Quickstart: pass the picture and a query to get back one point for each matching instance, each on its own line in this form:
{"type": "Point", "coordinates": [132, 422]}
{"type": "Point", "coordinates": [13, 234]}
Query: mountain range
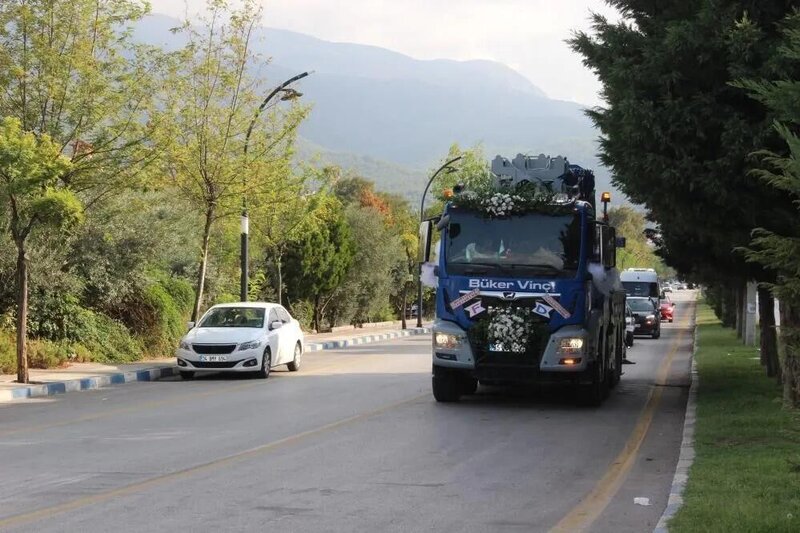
{"type": "Point", "coordinates": [392, 118]}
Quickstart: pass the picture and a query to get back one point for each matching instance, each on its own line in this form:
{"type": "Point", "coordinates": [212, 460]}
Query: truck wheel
{"type": "Point", "coordinates": [447, 387]}
{"type": "Point", "coordinates": [619, 355]}
{"type": "Point", "coordinates": [469, 386]}
{"type": "Point", "coordinates": [597, 390]}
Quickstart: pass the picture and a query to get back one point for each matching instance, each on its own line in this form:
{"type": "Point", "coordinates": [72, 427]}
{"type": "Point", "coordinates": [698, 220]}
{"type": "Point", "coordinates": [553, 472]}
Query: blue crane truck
{"type": "Point", "coordinates": [526, 285]}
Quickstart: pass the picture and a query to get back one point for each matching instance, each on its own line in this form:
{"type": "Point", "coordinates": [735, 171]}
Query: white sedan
{"type": "Point", "coordinates": [241, 337]}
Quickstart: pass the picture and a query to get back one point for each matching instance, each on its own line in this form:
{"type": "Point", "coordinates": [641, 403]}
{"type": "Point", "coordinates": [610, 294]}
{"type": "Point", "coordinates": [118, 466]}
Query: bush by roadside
{"type": "Point", "coordinates": [746, 474]}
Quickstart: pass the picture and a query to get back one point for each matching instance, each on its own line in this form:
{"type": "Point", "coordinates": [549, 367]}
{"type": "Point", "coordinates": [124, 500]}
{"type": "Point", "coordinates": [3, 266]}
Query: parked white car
{"type": "Point", "coordinates": [241, 337]}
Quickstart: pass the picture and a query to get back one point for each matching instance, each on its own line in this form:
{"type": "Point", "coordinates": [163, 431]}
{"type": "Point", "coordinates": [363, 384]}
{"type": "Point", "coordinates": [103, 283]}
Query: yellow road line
{"type": "Point", "coordinates": [127, 490]}
{"type": "Point", "coordinates": [587, 511]}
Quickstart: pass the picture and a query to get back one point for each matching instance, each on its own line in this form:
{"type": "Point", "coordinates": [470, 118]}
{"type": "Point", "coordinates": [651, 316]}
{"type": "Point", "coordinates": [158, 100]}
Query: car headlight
{"type": "Point", "coordinates": [249, 345]}
{"type": "Point", "coordinates": [650, 317]}
{"type": "Point", "coordinates": [185, 346]}
{"type": "Point", "coordinates": [446, 340]}
{"type": "Point", "coordinates": [570, 346]}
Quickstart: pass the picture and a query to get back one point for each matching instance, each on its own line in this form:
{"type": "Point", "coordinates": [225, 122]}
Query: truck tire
{"type": "Point", "coordinates": [619, 355]}
{"type": "Point", "coordinates": [595, 392]}
{"type": "Point", "coordinates": [469, 385]}
{"type": "Point", "coordinates": [447, 387]}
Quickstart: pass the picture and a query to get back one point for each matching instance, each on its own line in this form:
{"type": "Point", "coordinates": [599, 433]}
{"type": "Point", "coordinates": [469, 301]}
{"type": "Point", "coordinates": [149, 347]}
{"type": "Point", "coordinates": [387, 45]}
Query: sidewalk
{"type": "Point", "coordinates": [89, 376]}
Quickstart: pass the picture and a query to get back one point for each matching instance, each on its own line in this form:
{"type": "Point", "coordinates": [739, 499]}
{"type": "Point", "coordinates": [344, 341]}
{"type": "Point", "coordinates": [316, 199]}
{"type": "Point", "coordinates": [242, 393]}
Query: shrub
{"type": "Point", "coordinates": [8, 352]}
{"type": "Point", "coordinates": [47, 354]}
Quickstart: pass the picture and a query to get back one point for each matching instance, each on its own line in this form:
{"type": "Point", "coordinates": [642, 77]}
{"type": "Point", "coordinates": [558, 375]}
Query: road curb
{"type": "Point", "coordinates": [686, 457]}
{"type": "Point", "coordinates": [366, 339]}
{"type": "Point", "coordinates": [156, 373]}
{"type": "Point", "coordinates": [90, 383]}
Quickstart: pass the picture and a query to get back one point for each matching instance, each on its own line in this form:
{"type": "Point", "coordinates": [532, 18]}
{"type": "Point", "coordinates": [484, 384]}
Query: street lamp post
{"type": "Point", "coordinates": [290, 95]}
{"type": "Point", "coordinates": [421, 219]}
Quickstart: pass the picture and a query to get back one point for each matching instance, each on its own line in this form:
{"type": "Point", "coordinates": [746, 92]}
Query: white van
{"type": "Point", "coordinates": [641, 282]}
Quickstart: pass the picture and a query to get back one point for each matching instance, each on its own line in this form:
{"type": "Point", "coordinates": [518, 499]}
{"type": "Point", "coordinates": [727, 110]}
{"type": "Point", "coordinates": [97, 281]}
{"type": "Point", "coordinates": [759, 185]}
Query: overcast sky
{"type": "Point", "coordinates": [527, 35]}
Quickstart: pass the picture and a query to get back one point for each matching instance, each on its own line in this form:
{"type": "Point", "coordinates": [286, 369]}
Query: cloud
{"type": "Point", "coordinates": [527, 35]}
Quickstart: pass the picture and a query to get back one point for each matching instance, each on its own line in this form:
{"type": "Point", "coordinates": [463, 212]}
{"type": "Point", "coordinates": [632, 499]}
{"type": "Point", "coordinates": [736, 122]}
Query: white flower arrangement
{"type": "Point", "coordinates": [509, 329]}
{"type": "Point", "coordinates": [501, 204]}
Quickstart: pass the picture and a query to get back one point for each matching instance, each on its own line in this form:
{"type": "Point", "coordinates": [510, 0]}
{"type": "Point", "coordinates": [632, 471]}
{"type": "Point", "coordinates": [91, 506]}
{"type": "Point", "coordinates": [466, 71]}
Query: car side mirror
{"type": "Point", "coordinates": [190, 325]}
{"type": "Point", "coordinates": [277, 324]}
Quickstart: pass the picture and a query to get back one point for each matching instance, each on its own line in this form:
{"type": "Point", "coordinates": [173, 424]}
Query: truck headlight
{"type": "Point", "coordinates": [446, 340]}
{"type": "Point", "coordinates": [249, 345]}
{"type": "Point", "coordinates": [570, 346]}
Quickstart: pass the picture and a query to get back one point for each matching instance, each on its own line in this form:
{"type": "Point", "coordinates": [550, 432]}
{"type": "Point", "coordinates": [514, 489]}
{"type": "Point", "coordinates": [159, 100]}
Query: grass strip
{"type": "Point", "coordinates": [746, 473]}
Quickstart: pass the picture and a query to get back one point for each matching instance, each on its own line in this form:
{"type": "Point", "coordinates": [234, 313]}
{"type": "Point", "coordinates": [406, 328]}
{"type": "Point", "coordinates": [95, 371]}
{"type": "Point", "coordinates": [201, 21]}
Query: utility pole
{"type": "Point", "coordinates": [291, 94]}
{"type": "Point", "coordinates": [421, 220]}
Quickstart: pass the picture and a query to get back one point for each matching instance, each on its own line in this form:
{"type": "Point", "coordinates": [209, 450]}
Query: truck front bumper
{"type": "Point", "coordinates": [554, 363]}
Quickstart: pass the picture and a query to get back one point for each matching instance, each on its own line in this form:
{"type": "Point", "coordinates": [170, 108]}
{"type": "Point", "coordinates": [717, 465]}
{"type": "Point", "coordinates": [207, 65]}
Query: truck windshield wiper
{"type": "Point", "coordinates": [548, 268]}
{"type": "Point", "coordinates": [501, 267]}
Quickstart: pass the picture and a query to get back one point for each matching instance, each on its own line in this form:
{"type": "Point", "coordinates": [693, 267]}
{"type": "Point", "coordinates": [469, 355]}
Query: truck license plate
{"type": "Point", "coordinates": [213, 358]}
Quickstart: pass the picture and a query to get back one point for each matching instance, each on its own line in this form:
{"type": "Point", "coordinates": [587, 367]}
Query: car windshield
{"type": "Point", "coordinates": [641, 306]}
{"type": "Point", "coordinates": [531, 242]}
{"type": "Point", "coordinates": [641, 288]}
{"type": "Point", "coordinates": [234, 317]}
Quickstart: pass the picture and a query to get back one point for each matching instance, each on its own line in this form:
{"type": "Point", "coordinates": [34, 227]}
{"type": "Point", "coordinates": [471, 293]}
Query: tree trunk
{"type": "Point", "coordinates": [280, 279]}
{"type": "Point", "coordinates": [729, 307]}
{"type": "Point", "coordinates": [403, 308]}
{"type": "Point", "coordinates": [316, 312]}
{"type": "Point", "coordinates": [740, 303]}
{"type": "Point", "coordinates": [769, 338]}
{"type": "Point", "coordinates": [22, 313]}
{"type": "Point", "coordinates": [790, 334]}
{"type": "Point", "coordinates": [201, 275]}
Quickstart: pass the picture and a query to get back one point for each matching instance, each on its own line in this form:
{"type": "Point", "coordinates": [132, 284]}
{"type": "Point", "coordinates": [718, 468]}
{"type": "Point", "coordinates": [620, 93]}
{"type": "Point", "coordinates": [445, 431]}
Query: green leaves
{"type": "Point", "coordinates": [30, 168]}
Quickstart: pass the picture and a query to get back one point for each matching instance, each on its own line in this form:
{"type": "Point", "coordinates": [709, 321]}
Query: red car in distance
{"type": "Point", "coordinates": [667, 308]}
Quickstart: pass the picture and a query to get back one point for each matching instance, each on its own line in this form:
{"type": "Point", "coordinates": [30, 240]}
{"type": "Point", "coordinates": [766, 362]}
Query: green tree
{"type": "Point", "coordinates": [779, 250]}
{"type": "Point", "coordinates": [320, 258]}
{"type": "Point", "coordinates": [30, 169]}
{"type": "Point", "coordinates": [210, 104]}
{"type": "Point", "coordinates": [677, 133]}
{"type": "Point", "coordinates": [69, 68]}
{"type": "Point", "coordinates": [639, 251]}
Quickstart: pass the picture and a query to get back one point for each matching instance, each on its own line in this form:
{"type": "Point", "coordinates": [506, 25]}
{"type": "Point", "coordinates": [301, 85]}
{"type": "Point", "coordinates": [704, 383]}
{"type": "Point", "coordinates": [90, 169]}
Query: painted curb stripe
{"type": "Point", "coordinates": [686, 457]}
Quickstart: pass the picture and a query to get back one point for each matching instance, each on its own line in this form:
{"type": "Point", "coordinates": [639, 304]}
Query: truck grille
{"type": "Point", "coordinates": [213, 349]}
{"type": "Point", "coordinates": [537, 342]}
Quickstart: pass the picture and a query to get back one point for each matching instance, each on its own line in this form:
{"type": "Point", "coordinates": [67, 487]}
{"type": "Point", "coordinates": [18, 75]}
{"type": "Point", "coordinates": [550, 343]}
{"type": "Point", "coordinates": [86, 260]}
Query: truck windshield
{"type": "Point", "coordinates": [532, 243]}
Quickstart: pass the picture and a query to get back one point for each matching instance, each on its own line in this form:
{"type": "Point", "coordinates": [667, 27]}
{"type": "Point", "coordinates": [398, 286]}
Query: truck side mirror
{"type": "Point", "coordinates": [425, 231]}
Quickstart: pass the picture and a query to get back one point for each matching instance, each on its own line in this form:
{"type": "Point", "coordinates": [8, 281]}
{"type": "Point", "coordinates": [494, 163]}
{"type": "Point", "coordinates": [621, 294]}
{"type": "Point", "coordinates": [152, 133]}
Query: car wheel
{"type": "Point", "coordinates": [186, 375]}
{"type": "Point", "coordinates": [266, 365]}
{"type": "Point", "coordinates": [294, 366]}
{"type": "Point", "coordinates": [670, 321]}
{"type": "Point", "coordinates": [657, 333]}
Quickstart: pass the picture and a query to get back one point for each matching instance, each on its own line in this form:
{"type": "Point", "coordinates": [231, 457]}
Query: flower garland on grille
{"type": "Point", "coordinates": [509, 328]}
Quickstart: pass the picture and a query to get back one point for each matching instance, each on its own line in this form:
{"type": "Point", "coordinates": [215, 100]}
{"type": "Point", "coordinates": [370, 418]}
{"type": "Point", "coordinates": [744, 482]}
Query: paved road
{"type": "Point", "coordinates": [353, 442]}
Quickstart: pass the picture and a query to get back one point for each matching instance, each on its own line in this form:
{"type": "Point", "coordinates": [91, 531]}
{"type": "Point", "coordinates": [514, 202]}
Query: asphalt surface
{"type": "Point", "coordinates": [352, 442]}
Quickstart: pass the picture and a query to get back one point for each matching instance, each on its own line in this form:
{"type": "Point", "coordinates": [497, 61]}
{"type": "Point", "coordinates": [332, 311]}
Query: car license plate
{"type": "Point", "coordinates": [213, 358]}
